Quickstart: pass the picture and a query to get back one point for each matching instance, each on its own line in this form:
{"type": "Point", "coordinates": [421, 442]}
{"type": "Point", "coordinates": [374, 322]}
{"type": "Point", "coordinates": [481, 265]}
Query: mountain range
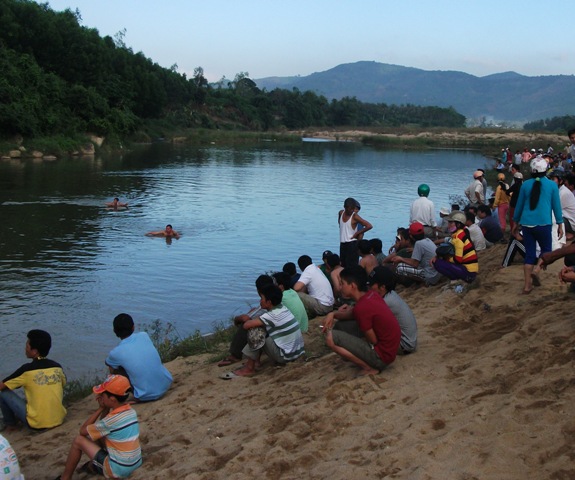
{"type": "Point", "coordinates": [501, 97]}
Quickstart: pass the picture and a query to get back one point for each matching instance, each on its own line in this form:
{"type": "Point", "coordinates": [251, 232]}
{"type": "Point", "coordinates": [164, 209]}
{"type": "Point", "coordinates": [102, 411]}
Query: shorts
{"type": "Point", "coordinates": [359, 348]}
{"type": "Point", "coordinates": [98, 461]}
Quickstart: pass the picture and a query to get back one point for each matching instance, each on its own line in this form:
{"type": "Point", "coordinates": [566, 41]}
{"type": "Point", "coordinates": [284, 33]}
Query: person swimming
{"type": "Point", "coordinates": [168, 232]}
{"type": "Point", "coordinates": [115, 204]}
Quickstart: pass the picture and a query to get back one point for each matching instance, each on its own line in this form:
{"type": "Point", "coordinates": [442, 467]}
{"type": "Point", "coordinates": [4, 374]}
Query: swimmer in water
{"type": "Point", "coordinates": [115, 204]}
{"type": "Point", "coordinates": [169, 232]}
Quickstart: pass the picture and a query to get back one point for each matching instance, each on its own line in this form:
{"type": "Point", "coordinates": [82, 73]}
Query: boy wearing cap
{"type": "Point", "coordinates": [475, 191]}
{"type": "Point", "coordinates": [43, 381]}
{"type": "Point", "coordinates": [115, 426]}
{"type": "Point", "coordinates": [418, 267]}
{"type": "Point", "coordinates": [463, 264]}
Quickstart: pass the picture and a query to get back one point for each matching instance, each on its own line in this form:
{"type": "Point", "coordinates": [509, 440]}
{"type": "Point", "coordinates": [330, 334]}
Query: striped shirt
{"type": "Point", "coordinates": [465, 253]}
{"type": "Point", "coordinates": [284, 330]}
{"type": "Point", "coordinates": [120, 431]}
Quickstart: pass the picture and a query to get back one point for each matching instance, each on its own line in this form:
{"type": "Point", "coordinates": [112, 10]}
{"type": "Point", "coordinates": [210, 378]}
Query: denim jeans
{"type": "Point", "coordinates": [13, 408]}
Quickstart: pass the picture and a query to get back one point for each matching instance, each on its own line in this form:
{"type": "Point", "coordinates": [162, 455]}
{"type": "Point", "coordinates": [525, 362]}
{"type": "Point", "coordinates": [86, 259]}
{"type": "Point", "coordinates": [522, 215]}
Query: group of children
{"type": "Point", "coordinates": [110, 436]}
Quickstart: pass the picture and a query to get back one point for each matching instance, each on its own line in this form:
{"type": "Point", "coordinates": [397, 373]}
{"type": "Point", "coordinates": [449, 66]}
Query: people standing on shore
{"type": "Point", "coordinates": [501, 202]}
{"type": "Point", "coordinates": [538, 200]}
{"type": "Point", "coordinates": [475, 192]}
{"type": "Point", "coordinates": [348, 220]}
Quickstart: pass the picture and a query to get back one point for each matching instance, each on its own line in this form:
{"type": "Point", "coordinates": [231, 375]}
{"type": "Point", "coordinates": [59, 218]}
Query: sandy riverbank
{"type": "Point", "coordinates": [488, 395]}
{"type": "Point", "coordinates": [502, 138]}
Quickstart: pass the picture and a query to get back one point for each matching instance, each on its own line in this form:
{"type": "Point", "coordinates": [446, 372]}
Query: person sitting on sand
{"type": "Point", "coordinates": [138, 359]}
{"type": "Point", "coordinates": [291, 270]}
{"type": "Point", "coordinates": [240, 338]}
{"type": "Point", "coordinates": [367, 259]}
{"type": "Point", "coordinates": [291, 300]}
{"type": "Point", "coordinates": [110, 436]}
{"type": "Point", "coordinates": [284, 341]}
{"type": "Point", "coordinates": [334, 267]}
{"type": "Point", "coordinates": [403, 247]}
{"type": "Point", "coordinates": [418, 268]}
{"type": "Point", "coordinates": [489, 226]}
{"type": "Point", "coordinates": [115, 204]}
{"type": "Point", "coordinates": [9, 465]}
{"type": "Point", "coordinates": [463, 264]}
{"type": "Point", "coordinates": [43, 382]}
{"type": "Point", "coordinates": [377, 250]}
{"type": "Point", "coordinates": [382, 280]}
{"type": "Point", "coordinates": [313, 288]}
{"type": "Point", "coordinates": [372, 341]}
{"type": "Point", "coordinates": [475, 232]}
{"type": "Point", "coordinates": [168, 232]}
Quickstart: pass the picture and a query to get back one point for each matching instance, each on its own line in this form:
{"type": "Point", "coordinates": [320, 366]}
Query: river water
{"type": "Point", "coordinates": [69, 265]}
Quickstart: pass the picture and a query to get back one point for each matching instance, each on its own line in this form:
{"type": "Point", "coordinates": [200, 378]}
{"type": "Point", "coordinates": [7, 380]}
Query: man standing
{"type": "Point", "coordinates": [348, 219]}
{"type": "Point", "coordinates": [475, 192]}
{"type": "Point", "coordinates": [137, 358]}
{"type": "Point", "coordinates": [423, 211]}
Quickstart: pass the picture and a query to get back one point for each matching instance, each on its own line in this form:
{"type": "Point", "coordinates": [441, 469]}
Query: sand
{"type": "Point", "coordinates": [488, 395]}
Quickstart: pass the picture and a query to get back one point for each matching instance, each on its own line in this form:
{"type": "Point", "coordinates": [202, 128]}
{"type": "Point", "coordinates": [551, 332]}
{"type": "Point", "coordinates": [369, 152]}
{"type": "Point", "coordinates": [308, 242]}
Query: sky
{"type": "Point", "coordinates": [265, 38]}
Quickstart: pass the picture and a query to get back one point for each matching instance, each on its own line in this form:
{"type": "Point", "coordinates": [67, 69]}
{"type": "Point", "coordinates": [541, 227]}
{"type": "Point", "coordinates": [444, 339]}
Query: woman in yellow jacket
{"type": "Point", "coordinates": [502, 200]}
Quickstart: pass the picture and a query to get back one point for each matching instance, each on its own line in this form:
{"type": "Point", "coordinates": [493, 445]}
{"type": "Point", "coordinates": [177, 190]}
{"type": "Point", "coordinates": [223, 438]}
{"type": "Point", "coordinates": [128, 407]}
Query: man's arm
{"type": "Point", "coordinates": [253, 322]}
{"type": "Point", "coordinates": [3, 386]}
{"type": "Point", "coordinates": [366, 225]}
{"type": "Point", "coordinates": [370, 336]}
{"type": "Point", "coordinates": [91, 419]}
{"type": "Point", "coordinates": [410, 261]}
{"type": "Point", "coordinates": [299, 286]}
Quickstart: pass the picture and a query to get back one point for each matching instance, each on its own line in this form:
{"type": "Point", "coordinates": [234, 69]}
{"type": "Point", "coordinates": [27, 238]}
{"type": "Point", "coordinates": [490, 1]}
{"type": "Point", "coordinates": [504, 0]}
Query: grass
{"type": "Point", "coordinates": [80, 388]}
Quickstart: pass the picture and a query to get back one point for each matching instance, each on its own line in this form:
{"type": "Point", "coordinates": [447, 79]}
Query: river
{"type": "Point", "coordinates": [69, 265]}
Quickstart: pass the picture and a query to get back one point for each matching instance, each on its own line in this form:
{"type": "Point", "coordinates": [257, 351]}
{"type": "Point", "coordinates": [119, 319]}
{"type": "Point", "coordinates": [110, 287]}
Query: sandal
{"type": "Point", "coordinates": [535, 279]}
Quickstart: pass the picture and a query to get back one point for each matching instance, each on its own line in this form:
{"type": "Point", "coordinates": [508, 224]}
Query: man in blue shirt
{"type": "Point", "coordinates": [137, 358]}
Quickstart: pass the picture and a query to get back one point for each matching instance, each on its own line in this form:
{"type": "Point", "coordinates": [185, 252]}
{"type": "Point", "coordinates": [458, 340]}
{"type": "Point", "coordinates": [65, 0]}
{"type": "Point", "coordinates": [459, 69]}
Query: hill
{"type": "Point", "coordinates": [506, 96]}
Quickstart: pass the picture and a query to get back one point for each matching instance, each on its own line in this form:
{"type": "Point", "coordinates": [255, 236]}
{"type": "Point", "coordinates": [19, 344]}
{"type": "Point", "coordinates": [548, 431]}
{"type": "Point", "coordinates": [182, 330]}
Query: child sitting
{"type": "Point", "coordinates": [284, 341]}
{"type": "Point", "coordinates": [110, 436]}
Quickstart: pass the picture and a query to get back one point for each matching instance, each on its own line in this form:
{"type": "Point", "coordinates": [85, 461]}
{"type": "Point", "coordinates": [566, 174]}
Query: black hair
{"type": "Point", "coordinates": [364, 246]}
{"type": "Point", "coordinates": [123, 325]}
{"type": "Point", "coordinates": [283, 279]}
{"type": "Point", "coordinates": [41, 341]}
{"type": "Point", "coordinates": [376, 245]}
{"type": "Point", "coordinates": [484, 209]}
{"type": "Point", "coordinates": [333, 260]}
{"type": "Point", "coordinates": [272, 293]}
{"type": "Point", "coordinates": [168, 225]}
{"type": "Point", "coordinates": [570, 179]}
{"type": "Point", "coordinates": [355, 274]}
{"type": "Point", "coordinates": [570, 132]}
{"type": "Point", "coordinates": [536, 190]}
{"type": "Point", "coordinates": [470, 217]}
{"type": "Point", "coordinates": [350, 202]}
{"type": "Point", "coordinates": [303, 262]}
{"type": "Point", "coordinates": [289, 268]}
{"type": "Point", "coordinates": [120, 398]}
{"type": "Point", "coordinates": [455, 207]}
{"type": "Point", "coordinates": [116, 199]}
{"type": "Point", "coordinates": [403, 233]}
{"type": "Point", "coordinates": [418, 236]}
{"type": "Point", "coordinates": [386, 278]}
{"type": "Point", "coordinates": [262, 281]}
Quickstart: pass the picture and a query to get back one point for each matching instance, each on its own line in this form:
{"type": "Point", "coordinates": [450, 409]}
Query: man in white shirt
{"type": "Point", "coordinates": [475, 233]}
{"type": "Point", "coordinates": [313, 288]}
{"type": "Point", "coordinates": [423, 211]}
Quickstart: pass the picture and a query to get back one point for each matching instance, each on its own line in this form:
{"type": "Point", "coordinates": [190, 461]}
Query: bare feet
{"type": "Point", "coordinates": [364, 373]}
{"type": "Point", "coordinates": [244, 371]}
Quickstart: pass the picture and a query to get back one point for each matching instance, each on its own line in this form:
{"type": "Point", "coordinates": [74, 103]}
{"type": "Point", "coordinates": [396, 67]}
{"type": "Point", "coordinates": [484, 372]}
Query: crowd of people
{"type": "Point", "coordinates": [366, 322]}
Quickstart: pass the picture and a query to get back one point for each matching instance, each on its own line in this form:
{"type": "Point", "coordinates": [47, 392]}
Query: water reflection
{"type": "Point", "coordinates": [69, 265]}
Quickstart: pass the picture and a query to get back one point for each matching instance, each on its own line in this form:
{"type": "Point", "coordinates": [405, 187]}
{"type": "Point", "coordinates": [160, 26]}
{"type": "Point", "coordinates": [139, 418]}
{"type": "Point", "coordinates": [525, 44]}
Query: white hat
{"type": "Point", "coordinates": [539, 165]}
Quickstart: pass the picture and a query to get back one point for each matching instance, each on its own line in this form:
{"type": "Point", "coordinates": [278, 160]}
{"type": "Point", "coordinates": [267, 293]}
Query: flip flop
{"type": "Point", "coordinates": [229, 376]}
{"type": "Point", "coordinates": [228, 361]}
{"type": "Point", "coordinates": [526, 292]}
{"type": "Point", "coordinates": [535, 279]}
